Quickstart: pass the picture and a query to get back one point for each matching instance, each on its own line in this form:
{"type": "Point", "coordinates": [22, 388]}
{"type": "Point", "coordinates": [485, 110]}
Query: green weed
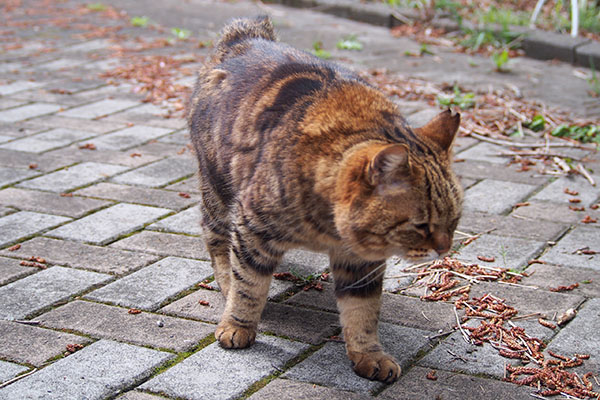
{"type": "Point", "coordinates": [318, 51]}
{"type": "Point", "coordinates": [462, 100]}
{"type": "Point", "coordinates": [584, 134]}
{"type": "Point", "coordinates": [140, 22]}
{"type": "Point", "coordinates": [181, 33]}
{"type": "Point", "coordinates": [349, 43]}
{"type": "Point", "coordinates": [501, 60]}
{"type": "Point", "coordinates": [96, 7]}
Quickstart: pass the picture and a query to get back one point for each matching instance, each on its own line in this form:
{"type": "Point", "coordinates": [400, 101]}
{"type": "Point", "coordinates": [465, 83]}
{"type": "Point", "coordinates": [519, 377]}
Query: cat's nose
{"type": "Point", "coordinates": [441, 242]}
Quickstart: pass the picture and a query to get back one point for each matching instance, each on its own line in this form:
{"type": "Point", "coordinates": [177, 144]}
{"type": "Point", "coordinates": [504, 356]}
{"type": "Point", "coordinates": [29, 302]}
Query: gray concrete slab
{"type": "Point", "coordinates": [129, 137]}
{"type": "Point", "coordinates": [108, 224]}
{"type": "Point", "coordinates": [286, 389]}
{"type": "Point", "coordinates": [73, 177]}
{"type": "Point", "coordinates": [99, 370]}
{"type": "Point", "coordinates": [150, 286]}
{"type": "Point", "coordinates": [496, 197]}
{"type": "Point", "coordinates": [10, 270]}
{"type": "Point", "coordinates": [160, 173]}
{"type": "Point", "coordinates": [49, 203]}
{"type": "Point", "coordinates": [10, 370]}
{"type": "Point", "coordinates": [187, 221]}
{"type": "Point", "coordinates": [116, 323]}
{"type": "Point", "coordinates": [33, 345]}
{"type": "Point", "coordinates": [28, 111]}
{"type": "Point", "coordinates": [84, 256]}
{"type": "Point", "coordinates": [24, 223]}
{"type": "Point", "coordinates": [49, 140]}
{"type": "Point", "coordinates": [555, 191]}
{"type": "Point", "coordinates": [226, 374]}
{"type": "Point", "coordinates": [98, 108]}
{"type": "Point", "coordinates": [43, 289]}
{"type": "Point", "coordinates": [12, 175]}
{"type": "Point", "coordinates": [165, 244]}
{"type": "Point", "coordinates": [565, 252]}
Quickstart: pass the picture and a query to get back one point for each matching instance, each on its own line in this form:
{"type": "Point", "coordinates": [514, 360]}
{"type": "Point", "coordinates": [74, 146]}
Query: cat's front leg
{"type": "Point", "coordinates": [252, 265]}
{"type": "Point", "coordinates": [358, 292]}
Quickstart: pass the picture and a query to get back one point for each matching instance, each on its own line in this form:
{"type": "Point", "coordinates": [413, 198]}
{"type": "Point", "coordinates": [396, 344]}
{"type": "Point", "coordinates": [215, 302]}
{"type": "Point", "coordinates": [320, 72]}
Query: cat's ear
{"type": "Point", "coordinates": [389, 164]}
{"type": "Point", "coordinates": [441, 129]}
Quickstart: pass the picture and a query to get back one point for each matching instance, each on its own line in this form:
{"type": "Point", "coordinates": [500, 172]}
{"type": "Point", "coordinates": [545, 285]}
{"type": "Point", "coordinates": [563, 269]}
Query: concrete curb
{"type": "Point", "coordinates": [537, 44]}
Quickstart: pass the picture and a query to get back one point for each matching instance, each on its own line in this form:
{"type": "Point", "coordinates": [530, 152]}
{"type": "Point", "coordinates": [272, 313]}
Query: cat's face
{"type": "Point", "coordinates": [398, 203]}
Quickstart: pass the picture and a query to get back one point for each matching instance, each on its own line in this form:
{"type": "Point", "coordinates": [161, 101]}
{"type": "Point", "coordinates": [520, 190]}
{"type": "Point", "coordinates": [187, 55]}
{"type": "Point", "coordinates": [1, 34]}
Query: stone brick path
{"type": "Point", "coordinates": [98, 184]}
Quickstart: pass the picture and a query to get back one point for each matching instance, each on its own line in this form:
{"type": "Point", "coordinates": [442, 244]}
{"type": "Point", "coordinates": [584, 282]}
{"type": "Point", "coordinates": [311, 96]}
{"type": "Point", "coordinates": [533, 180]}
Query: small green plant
{"type": "Point", "coordinates": [504, 253]}
{"type": "Point", "coordinates": [462, 100]}
{"type": "Point", "coordinates": [318, 51]}
{"type": "Point", "coordinates": [587, 281]}
{"type": "Point", "coordinates": [537, 124]}
{"type": "Point", "coordinates": [181, 33]}
{"type": "Point", "coordinates": [594, 81]}
{"type": "Point", "coordinates": [585, 134]}
{"type": "Point", "coordinates": [501, 60]}
{"type": "Point", "coordinates": [424, 49]}
{"type": "Point", "coordinates": [140, 22]}
{"type": "Point", "coordinates": [96, 7]}
{"type": "Point", "coordinates": [349, 43]}
{"type": "Point", "coordinates": [503, 17]}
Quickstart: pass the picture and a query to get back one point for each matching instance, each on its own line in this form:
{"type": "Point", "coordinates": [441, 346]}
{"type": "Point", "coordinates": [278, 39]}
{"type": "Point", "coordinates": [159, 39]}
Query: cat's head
{"type": "Point", "coordinates": [396, 201]}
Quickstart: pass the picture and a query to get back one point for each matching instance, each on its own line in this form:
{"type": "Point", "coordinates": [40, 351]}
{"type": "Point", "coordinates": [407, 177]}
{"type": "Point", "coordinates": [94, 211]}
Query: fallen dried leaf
{"type": "Point", "coordinates": [565, 288]}
{"type": "Point", "coordinates": [573, 208]}
{"type": "Point", "coordinates": [203, 303]}
{"type": "Point", "coordinates": [522, 204]}
{"type": "Point", "coordinates": [14, 248]}
{"type": "Point", "coordinates": [66, 195]}
{"type": "Point", "coordinates": [486, 259]}
{"type": "Point", "coordinates": [134, 311]}
{"type": "Point", "coordinates": [431, 375]}
{"type": "Point", "coordinates": [133, 155]}
{"type": "Point", "coordinates": [184, 195]}
{"type": "Point", "coordinates": [205, 286]}
{"type": "Point", "coordinates": [33, 264]}
{"type": "Point", "coordinates": [72, 348]}
{"type": "Point", "coordinates": [547, 324]}
{"type": "Point", "coordinates": [595, 206]}
{"type": "Point", "coordinates": [571, 192]}
{"type": "Point", "coordinates": [88, 146]}
{"type": "Point", "coordinates": [566, 316]}
{"type": "Point", "coordinates": [589, 220]}
{"type": "Point", "coordinates": [574, 201]}
{"type": "Point", "coordinates": [33, 166]}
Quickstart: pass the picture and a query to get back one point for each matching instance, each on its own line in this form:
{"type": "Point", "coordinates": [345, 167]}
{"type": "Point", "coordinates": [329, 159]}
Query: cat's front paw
{"type": "Point", "coordinates": [376, 366]}
{"type": "Point", "coordinates": [234, 337]}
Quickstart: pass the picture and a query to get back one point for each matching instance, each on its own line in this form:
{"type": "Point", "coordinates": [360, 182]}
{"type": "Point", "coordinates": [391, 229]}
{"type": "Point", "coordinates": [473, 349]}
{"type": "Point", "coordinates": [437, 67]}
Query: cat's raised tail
{"type": "Point", "coordinates": [241, 29]}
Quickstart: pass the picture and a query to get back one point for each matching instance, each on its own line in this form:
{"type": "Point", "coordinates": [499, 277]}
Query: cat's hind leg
{"type": "Point", "coordinates": [358, 288]}
{"type": "Point", "coordinates": [253, 260]}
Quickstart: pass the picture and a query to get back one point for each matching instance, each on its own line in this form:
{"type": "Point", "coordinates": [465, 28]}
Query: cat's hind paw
{"type": "Point", "coordinates": [376, 366]}
{"type": "Point", "coordinates": [234, 337]}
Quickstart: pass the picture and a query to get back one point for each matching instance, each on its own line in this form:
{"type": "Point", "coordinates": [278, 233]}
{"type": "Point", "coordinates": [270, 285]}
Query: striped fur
{"type": "Point", "coordinates": [294, 152]}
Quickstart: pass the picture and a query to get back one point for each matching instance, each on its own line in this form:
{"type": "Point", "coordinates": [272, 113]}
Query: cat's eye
{"type": "Point", "coordinates": [422, 227]}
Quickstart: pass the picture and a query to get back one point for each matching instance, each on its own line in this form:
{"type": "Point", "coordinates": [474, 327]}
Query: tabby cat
{"type": "Point", "coordinates": [295, 152]}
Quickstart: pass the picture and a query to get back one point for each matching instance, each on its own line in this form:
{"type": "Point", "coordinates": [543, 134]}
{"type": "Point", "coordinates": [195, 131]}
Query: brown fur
{"type": "Point", "coordinates": [297, 152]}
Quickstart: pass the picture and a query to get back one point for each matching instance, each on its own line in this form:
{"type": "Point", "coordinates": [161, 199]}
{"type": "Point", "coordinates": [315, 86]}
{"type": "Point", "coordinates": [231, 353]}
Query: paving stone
{"type": "Point", "coordinates": [98, 371]}
{"type": "Point", "coordinates": [79, 255]}
{"type": "Point", "coordinates": [308, 326]}
{"type": "Point", "coordinates": [486, 170]}
{"type": "Point", "coordinates": [476, 222]}
{"type": "Point", "coordinates": [397, 309]}
{"type": "Point", "coordinates": [330, 366]}
{"type": "Point", "coordinates": [11, 175]}
{"type": "Point", "coordinates": [484, 152]}
{"type": "Point", "coordinates": [187, 222]}
{"type": "Point", "coordinates": [129, 137]}
{"type": "Point", "coordinates": [24, 223]}
{"type": "Point", "coordinates": [415, 385]}
{"type": "Point", "coordinates": [73, 177]}
{"type": "Point", "coordinates": [509, 252]}
{"type": "Point", "coordinates": [303, 262]}
{"type": "Point", "coordinates": [10, 103]}
{"type": "Point", "coordinates": [95, 126]}
{"type": "Point", "coordinates": [565, 251]}
{"type": "Point", "coordinates": [152, 285]}
{"type": "Point", "coordinates": [581, 336]}
{"type": "Point", "coordinates": [552, 212]}
{"type": "Point", "coordinates": [106, 322]}
{"type": "Point", "coordinates": [226, 374]}
{"type": "Point", "coordinates": [107, 225]}
{"type": "Point", "coordinates": [17, 86]}
{"type": "Point", "coordinates": [496, 197]}
{"type": "Point", "coordinates": [159, 173]}
{"type": "Point", "coordinates": [27, 111]}
{"type": "Point", "coordinates": [22, 161]}
{"type": "Point", "coordinates": [555, 191]}
{"type": "Point", "coordinates": [133, 395]}
{"type": "Point", "coordinates": [392, 282]}
{"type": "Point", "coordinates": [98, 108]}
{"type": "Point", "coordinates": [35, 292]}
{"type": "Point", "coordinates": [165, 244]}
{"type": "Point", "coordinates": [181, 137]}
{"type": "Point", "coordinates": [528, 300]}
{"type": "Point", "coordinates": [147, 114]}
{"type": "Point", "coordinates": [63, 64]}
{"type": "Point", "coordinates": [33, 345]}
{"type": "Point", "coordinates": [139, 195]}
{"type": "Point", "coordinates": [49, 140]}
{"type": "Point", "coordinates": [552, 276]}
{"type": "Point", "coordinates": [285, 389]}
{"type": "Point", "coordinates": [588, 54]}
{"type": "Point", "coordinates": [9, 370]}
{"type": "Point", "coordinates": [546, 45]}
{"type": "Point", "coordinates": [10, 270]}
{"type": "Point", "coordinates": [189, 186]}
{"type": "Point", "coordinates": [49, 202]}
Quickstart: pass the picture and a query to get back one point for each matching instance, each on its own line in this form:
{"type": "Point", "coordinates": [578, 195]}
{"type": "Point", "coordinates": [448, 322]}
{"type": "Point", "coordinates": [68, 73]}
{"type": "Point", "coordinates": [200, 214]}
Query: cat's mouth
{"type": "Point", "coordinates": [422, 254]}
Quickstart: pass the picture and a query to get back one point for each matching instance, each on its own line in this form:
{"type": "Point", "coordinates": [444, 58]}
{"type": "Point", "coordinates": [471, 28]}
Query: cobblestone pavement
{"type": "Point", "coordinates": [99, 188]}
